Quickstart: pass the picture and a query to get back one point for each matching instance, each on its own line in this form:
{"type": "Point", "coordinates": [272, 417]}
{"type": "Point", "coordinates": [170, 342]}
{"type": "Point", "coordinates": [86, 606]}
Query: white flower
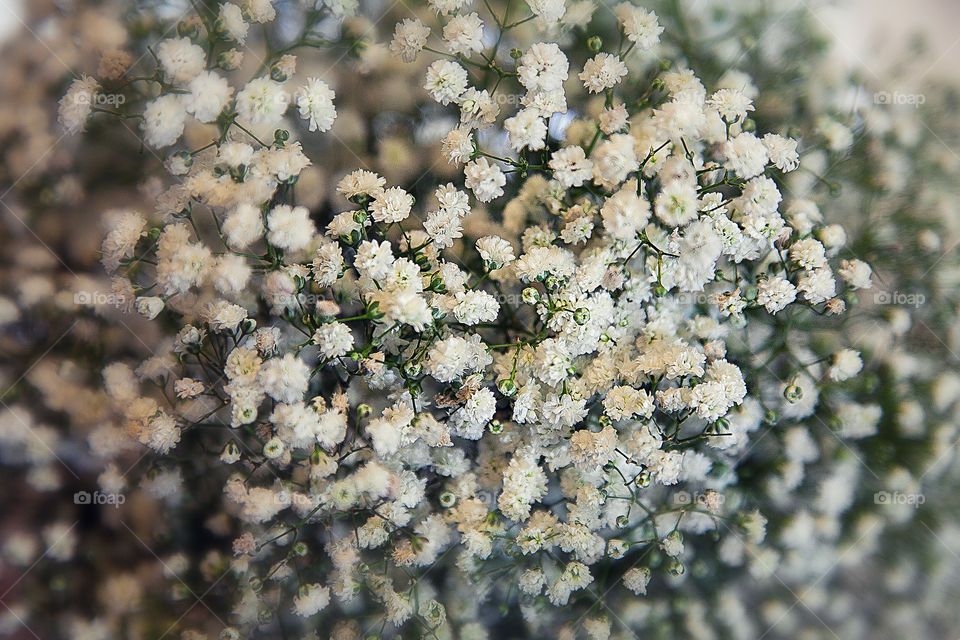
{"type": "Point", "coordinates": [732, 105]}
{"type": "Point", "coordinates": [818, 285]}
{"type": "Point", "coordinates": [232, 23]}
{"type": "Point", "coordinates": [128, 227]}
{"type": "Point", "coordinates": [464, 34]}
{"type": "Point", "coordinates": [782, 152]}
{"type": "Point", "coordinates": [636, 580]}
{"type": "Point", "coordinates": [409, 37]}
{"type": "Point", "coordinates": [243, 226]}
{"type": "Point", "coordinates": [285, 379]}
{"type": "Point", "coordinates": [311, 599]}
{"type": "Point", "coordinates": [315, 101]}
{"type": "Point", "coordinates": [477, 109]}
{"type": "Point", "coordinates": [458, 145]}
{"type": "Point", "coordinates": [601, 72]}
{"type": "Point", "coordinates": [746, 155]}
{"type": "Point", "coordinates": [261, 10]}
{"type": "Point", "coordinates": [443, 226]}
{"type": "Point", "coordinates": [342, 8]}
{"type": "Point", "coordinates": [446, 80]}
{"type": "Point", "coordinates": [856, 273]}
{"type": "Point", "coordinates": [846, 364]}
{"type": "Point", "coordinates": [495, 251]}
{"type": "Point", "coordinates": [290, 228]}
{"type": "Point", "coordinates": [374, 259]}
{"type": "Point", "coordinates": [570, 165]}
{"type": "Point", "coordinates": [391, 205]}
{"type": "Point", "coordinates": [262, 101]}
{"type": "Point", "coordinates": [548, 10]}
{"type": "Point", "coordinates": [77, 103]}
{"type": "Point", "coordinates": [209, 94]}
{"type": "Point", "coordinates": [360, 183]}
{"type": "Point", "coordinates": [180, 60]}
{"type": "Point", "coordinates": [639, 25]}
{"type": "Point", "coordinates": [163, 120]}
{"type": "Point", "coordinates": [775, 293]}
{"type": "Point", "coordinates": [543, 67]}
{"type": "Point", "coordinates": [327, 264]}
{"type": "Point", "coordinates": [484, 179]}
{"type": "Point", "coordinates": [334, 339]}
{"type": "Point", "coordinates": [614, 159]}
{"type": "Point", "coordinates": [625, 213]}
{"type": "Point", "coordinates": [808, 253]}
{"type": "Point", "coordinates": [473, 307]}
{"type": "Point", "coordinates": [149, 307]}
{"type": "Point", "coordinates": [676, 204]}
{"type": "Point", "coordinates": [526, 129]}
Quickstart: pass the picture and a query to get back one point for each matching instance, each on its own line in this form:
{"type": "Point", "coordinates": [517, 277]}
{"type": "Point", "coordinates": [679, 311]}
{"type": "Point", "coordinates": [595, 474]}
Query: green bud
{"type": "Point", "coordinates": [507, 387]}
{"type": "Point", "coordinates": [551, 282]}
{"type": "Point", "coordinates": [280, 136]}
{"type": "Point", "coordinates": [660, 291]}
{"type": "Point", "coordinates": [373, 311]}
{"type": "Point", "coordinates": [273, 448]}
{"type": "Point", "coordinates": [771, 417]}
{"type": "Point", "coordinates": [448, 499]}
{"type": "Point", "coordinates": [622, 521]}
{"type": "Point", "coordinates": [359, 216]}
{"type": "Point", "coordinates": [676, 568]}
{"type": "Point", "coordinates": [186, 28]}
{"type": "Point", "coordinates": [516, 53]}
{"type": "Point", "coordinates": [643, 479]}
{"type": "Point", "coordinates": [437, 284]}
{"type": "Point", "coordinates": [581, 316]}
{"type": "Point", "coordinates": [495, 426]}
{"type": "Point", "coordinates": [364, 411]}
{"type": "Point", "coordinates": [793, 393]}
{"type": "Point", "coordinates": [594, 43]}
{"type": "Point", "coordinates": [300, 549]}
{"type": "Point", "coordinates": [412, 369]}
{"type": "Point", "coordinates": [530, 296]}
{"type": "Point", "coordinates": [230, 450]}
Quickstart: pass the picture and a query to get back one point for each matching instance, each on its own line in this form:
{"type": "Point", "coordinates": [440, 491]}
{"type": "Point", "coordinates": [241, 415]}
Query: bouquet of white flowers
{"type": "Point", "coordinates": [525, 320]}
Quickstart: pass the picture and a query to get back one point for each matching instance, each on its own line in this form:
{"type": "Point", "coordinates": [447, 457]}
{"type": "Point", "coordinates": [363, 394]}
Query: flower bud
{"type": "Point", "coordinates": [507, 387]}
{"type": "Point", "coordinates": [530, 296]}
{"type": "Point", "coordinates": [447, 499]}
{"type": "Point", "coordinates": [273, 448]}
{"type": "Point", "coordinates": [793, 393]}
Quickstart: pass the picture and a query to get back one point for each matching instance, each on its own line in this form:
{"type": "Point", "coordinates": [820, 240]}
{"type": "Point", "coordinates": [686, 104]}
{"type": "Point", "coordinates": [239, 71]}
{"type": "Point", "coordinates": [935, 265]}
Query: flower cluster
{"type": "Point", "coordinates": [568, 369]}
